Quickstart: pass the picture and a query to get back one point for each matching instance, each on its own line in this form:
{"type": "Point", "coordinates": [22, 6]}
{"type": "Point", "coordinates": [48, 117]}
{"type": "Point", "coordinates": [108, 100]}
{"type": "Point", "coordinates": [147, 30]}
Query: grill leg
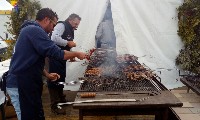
{"type": "Point", "coordinates": [80, 114]}
{"type": "Point", "coordinates": [165, 114]}
{"type": "Point", "coordinates": [188, 90]}
{"type": "Point", "coordinates": [2, 112]}
{"type": "Point", "coordinates": [162, 114]}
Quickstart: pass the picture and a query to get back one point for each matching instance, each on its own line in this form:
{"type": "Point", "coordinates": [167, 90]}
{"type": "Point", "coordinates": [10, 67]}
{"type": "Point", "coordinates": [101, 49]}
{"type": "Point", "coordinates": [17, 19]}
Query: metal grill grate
{"type": "Point", "coordinates": [117, 84]}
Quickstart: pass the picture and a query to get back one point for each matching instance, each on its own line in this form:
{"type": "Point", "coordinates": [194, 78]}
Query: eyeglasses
{"type": "Point", "coordinates": [54, 23]}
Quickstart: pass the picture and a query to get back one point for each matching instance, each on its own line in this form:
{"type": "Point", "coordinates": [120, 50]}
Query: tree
{"type": "Point", "coordinates": [23, 10]}
{"type": "Point", "coordinates": [189, 32]}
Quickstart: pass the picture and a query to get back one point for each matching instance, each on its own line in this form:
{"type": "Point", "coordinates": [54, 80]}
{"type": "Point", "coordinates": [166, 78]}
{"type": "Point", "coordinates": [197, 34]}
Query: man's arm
{"type": "Point", "coordinates": [73, 54]}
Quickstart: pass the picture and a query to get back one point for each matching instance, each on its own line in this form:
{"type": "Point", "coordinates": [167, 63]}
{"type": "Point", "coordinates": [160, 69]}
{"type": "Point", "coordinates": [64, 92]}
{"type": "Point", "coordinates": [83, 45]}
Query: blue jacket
{"type": "Point", "coordinates": [27, 63]}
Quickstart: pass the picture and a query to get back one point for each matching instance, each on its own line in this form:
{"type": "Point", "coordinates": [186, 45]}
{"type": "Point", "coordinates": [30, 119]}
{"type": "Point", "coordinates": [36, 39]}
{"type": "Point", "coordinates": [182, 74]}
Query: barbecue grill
{"type": "Point", "coordinates": [122, 77]}
{"type": "Point", "coordinates": [122, 73]}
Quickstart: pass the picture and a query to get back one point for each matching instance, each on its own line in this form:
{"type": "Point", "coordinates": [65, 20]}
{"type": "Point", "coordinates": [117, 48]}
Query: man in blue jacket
{"type": "Point", "coordinates": [24, 81]}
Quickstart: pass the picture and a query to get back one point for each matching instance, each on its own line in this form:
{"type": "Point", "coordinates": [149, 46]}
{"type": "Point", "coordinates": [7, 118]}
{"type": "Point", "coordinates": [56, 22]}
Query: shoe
{"type": "Point", "coordinates": [59, 111]}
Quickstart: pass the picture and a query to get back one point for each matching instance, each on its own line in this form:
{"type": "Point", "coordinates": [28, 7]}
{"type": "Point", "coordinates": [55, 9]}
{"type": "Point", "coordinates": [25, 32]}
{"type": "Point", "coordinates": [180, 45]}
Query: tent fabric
{"type": "Point", "coordinates": [3, 29]}
{"type": "Point", "coordinates": [142, 28]}
{"type": "Point", "coordinates": [149, 28]}
{"type": "Point", "coordinates": [91, 13]}
{"type": "Point", "coordinates": [4, 66]}
{"type": "Point", "coordinates": [4, 5]}
{"type": "Point", "coordinates": [3, 44]}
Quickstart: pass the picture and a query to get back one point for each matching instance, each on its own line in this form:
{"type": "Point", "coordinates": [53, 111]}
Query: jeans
{"type": "Point", "coordinates": [14, 96]}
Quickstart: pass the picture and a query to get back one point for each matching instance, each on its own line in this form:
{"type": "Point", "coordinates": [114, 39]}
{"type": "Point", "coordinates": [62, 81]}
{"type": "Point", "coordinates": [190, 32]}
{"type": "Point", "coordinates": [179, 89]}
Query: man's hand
{"type": "Point", "coordinates": [53, 76]}
{"type": "Point", "coordinates": [72, 60]}
{"type": "Point", "coordinates": [71, 44]}
{"type": "Point", "coordinates": [81, 55]}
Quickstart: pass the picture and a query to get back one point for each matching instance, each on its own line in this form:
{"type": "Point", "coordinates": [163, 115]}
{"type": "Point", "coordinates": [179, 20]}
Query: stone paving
{"type": "Point", "coordinates": [191, 104]}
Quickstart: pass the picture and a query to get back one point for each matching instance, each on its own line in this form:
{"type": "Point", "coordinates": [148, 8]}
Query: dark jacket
{"type": "Point", "coordinates": [27, 63]}
{"type": "Point", "coordinates": [68, 34]}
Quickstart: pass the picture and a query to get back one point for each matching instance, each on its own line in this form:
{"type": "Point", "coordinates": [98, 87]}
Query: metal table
{"type": "Point", "coordinates": [158, 103]}
{"type": "Point", "coordinates": [123, 79]}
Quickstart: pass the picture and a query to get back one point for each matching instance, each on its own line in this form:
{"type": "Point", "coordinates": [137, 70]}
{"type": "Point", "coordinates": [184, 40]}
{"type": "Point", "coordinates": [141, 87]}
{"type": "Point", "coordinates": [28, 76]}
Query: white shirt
{"type": "Point", "coordinates": [57, 33]}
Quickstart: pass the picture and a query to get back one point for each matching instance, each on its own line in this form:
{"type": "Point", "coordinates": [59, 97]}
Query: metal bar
{"type": "Point", "coordinates": [101, 100]}
{"type": "Point", "coordinates": [155, 85]}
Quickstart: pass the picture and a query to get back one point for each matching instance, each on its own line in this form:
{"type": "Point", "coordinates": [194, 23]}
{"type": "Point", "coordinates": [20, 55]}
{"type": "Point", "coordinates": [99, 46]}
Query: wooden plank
{"type": "Point", "coordinates": [190, 85]}
{"type": "Point", "coordinates": [165, 99]}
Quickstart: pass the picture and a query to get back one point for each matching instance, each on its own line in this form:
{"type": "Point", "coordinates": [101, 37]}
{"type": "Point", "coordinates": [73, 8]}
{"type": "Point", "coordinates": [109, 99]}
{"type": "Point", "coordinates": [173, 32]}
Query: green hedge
{"type": "Point", "coordinates": [26, 10]}
{"type": "Point", "coordinates": [189, 32]}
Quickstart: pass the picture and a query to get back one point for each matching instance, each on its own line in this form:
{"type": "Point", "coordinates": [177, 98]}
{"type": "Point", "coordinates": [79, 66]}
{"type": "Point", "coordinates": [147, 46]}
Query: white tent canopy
{"type": "Point", "coordinates": [3, 44]}
{"type": "Point", "coordinates": [142, 27]}
{"type": "Point", "coordinates": [149, 28]}
{"type": "Point", "coordinates": [4, 5]}
{"type": "Point", "coordinates": [4, 67]}
{"type": "Point", "coordinates": [3, 29]}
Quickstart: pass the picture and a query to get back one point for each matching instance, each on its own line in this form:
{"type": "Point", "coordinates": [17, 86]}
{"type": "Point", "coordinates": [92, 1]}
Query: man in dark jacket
{"type": "Point", "coordinates": [27, 64]}
{"type": "Point", "coordinates": [63, 36]}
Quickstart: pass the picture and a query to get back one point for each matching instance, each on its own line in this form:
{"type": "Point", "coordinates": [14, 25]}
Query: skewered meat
{"type": "Point", "coordinates": [125, 67]}
{"type": "Point", "coordinates": [87, 95]}
{"type": "Point", "coordinates": [93, 72]}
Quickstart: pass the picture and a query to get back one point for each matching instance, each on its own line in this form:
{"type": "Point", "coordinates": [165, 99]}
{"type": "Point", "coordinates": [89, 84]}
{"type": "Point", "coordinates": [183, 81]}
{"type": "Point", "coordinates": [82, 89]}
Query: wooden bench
{"type": "Point", "coordinates": [192, 84]}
